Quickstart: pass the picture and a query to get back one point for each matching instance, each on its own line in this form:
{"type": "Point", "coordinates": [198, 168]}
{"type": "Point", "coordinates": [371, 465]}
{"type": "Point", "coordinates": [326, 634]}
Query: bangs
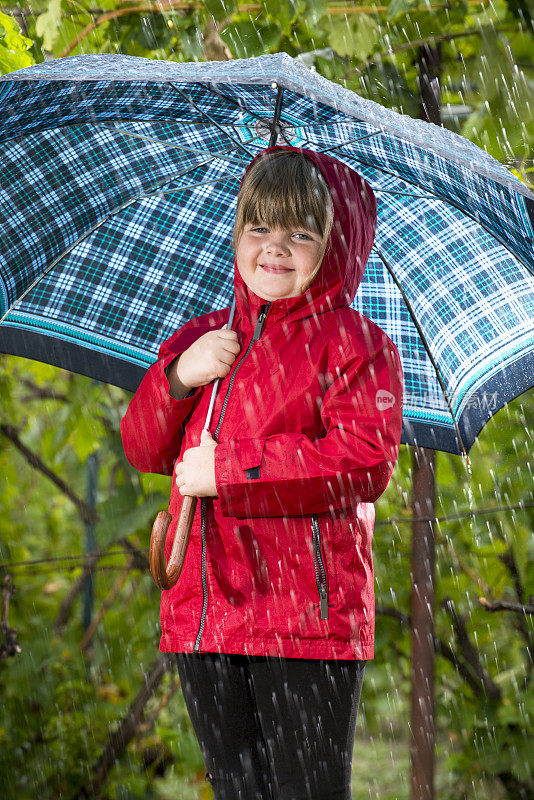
{"type": "Point", "coordinates": [284, 190]}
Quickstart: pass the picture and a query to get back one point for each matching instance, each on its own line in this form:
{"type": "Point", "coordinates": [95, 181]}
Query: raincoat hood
{"type": "Point", "coordinates": [351, 238]}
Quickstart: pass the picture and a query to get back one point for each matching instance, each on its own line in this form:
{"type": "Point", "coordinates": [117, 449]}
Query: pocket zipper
{"type": "Point", "coordinates": [320, 570]}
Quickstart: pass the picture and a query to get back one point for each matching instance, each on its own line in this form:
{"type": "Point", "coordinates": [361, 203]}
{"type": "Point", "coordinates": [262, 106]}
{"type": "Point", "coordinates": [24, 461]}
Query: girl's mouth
{"type": "Point", "coordinates": [275, 269]}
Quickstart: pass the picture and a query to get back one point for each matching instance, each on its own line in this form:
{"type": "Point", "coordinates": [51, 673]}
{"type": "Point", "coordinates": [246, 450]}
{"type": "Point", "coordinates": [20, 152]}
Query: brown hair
{"type": "Point", "coordinates": [285, 189]}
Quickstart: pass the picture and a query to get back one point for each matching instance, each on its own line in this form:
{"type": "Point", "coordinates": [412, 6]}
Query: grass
{"type": "Point", "coordinates": [381, 769]}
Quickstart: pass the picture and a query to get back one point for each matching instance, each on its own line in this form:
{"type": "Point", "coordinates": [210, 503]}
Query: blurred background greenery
{"type": "Point", "coordinates": [77, 719]}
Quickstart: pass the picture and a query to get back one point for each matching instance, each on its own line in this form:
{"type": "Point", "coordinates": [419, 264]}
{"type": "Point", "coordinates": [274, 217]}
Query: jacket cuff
{"type": "Point", "coordinates": [165, 362]}
{"type": "Point", "coordinates": [238, 463]}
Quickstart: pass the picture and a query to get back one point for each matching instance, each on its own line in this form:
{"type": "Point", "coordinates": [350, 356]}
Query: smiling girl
{"type": "Point", "coordinates": [272, 619]}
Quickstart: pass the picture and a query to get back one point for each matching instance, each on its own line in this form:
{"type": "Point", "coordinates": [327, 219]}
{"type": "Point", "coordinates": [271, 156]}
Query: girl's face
{"type": "Point", "coordinates": [276, 262]}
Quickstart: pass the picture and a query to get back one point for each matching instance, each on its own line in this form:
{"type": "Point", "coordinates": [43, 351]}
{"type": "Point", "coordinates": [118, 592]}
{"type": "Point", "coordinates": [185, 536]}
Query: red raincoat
{"type": "Point", "coordinates": [280, 562]}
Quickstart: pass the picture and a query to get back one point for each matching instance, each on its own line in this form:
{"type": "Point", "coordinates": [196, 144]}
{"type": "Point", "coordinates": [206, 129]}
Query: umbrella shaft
{"type": "Point", "coordinates": [216, 384]}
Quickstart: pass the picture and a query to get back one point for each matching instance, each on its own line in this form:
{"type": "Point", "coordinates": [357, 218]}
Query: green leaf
{"type": "Point", "coordinates": [85, 435]}
{"type": "Point", "coordinates": [13, 46]}
{"type": "Point", "coordinates": [279, 13]}
{"type": "Point", "coordinates": [354, 37]}
{"type": "Point", "coordinates": [220, 9]}
{"type": "Point", "coordinates": [245, 39]}
{"type": "Point", "coordinates": [342, 36]}
{"type": "Point", "coordinates": [497, 547]}
{"type": "Point", "coordinates": [398, 7]}
{"type": "Point", "coordinates": [521, 46]}
{"type": "Point", "coordinates": [11, 35]}
{"type": "Point", "coordinates": [120, 515]}
{"type": "Point", "coordinates": [316, 9]}
{"type": "Point", "coordinates": [366, 37]}
{"type": "Point", "coordinates": [192, 44]}
{"type": "Point", "coordinates": [48, 24]}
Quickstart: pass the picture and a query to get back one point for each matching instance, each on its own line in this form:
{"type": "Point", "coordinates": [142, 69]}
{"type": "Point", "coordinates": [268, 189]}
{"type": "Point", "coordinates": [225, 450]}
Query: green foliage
{"type": "Point", "coordinates": [122, 514]}
{"type": "Point", "coordinates": [13, 46]}
{"type": "Point", "coordinates": [398, 7]}
{"type": "Point", "coordinates": [356, 37]}
{"type": "Point", "coordinates": [60, 705]}
{"type": "Point", "coordinates": [491, 556]}
{"type": "Point", "coordinates": [220, 9]}
{"type": "Point", "coordinates": [245, 39]}
{"type": "Point", "coordinates": [504, 123]}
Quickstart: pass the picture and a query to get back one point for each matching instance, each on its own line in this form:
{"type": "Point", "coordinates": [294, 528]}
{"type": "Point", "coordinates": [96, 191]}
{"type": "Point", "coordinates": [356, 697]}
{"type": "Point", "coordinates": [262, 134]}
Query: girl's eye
{"type": "Point", "coordinates": [303, 236]}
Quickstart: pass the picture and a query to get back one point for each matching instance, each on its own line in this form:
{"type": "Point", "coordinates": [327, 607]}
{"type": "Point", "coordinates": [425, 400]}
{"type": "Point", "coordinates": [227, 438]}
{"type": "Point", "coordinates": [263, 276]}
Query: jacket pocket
{"type": "Point", "coordinates": [319, 563]}
{"type": "Point", "coordinates": [249, 454]}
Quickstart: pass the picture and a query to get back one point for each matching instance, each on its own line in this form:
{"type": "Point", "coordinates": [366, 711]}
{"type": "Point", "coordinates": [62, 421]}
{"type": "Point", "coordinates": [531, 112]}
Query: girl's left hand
{"type": "Point", "coordinates": [195, 474]}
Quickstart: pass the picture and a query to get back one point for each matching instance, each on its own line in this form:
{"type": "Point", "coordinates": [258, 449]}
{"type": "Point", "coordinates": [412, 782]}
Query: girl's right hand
{"type": "Point", "coordinates": [207, 359]}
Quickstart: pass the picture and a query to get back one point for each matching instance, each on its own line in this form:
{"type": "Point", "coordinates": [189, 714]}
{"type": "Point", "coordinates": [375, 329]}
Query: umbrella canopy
{"type": "Point", "coordinates": [118, 182]}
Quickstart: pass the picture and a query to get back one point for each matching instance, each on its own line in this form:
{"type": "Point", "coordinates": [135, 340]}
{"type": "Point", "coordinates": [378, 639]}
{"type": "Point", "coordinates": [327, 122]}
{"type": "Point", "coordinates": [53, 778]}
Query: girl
{"type": "Point", "coordinates": [272, 619]}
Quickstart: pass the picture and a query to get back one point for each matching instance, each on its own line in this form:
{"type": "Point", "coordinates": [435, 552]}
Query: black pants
{"type": "Point", "coordinates": [273, 728]}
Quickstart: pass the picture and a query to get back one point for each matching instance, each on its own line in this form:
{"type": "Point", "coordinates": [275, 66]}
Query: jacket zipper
{"type": "Point", "coordinates": [203, 570]}
{"type": "Point", "coordinates": [255, 336]}
{"type": "Point", "coordinates": [320, 570]}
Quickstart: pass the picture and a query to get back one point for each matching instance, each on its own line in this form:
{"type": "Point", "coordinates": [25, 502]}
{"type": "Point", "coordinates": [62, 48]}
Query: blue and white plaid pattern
{"type": "Point", "coordinates": [128, 193]}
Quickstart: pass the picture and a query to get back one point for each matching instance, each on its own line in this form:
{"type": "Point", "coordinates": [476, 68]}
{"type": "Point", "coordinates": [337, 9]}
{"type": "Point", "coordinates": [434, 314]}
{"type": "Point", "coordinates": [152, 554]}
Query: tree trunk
{"type": "Point", "coordinates": [422, 616]}
{"type": "Point", "coordinates": [422, 728]}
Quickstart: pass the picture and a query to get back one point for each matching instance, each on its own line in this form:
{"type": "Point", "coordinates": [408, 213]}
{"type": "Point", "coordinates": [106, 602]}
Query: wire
{"type": "Point", "coordinates": [451, 517]}
{"type": "Point", "coordinates": [81, 558]}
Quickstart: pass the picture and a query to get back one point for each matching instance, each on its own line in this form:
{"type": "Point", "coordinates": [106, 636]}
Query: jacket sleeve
{"type": "Point", "coordinates": [290, 475]}
{"type": "Point", "coordinates": [152, 427]}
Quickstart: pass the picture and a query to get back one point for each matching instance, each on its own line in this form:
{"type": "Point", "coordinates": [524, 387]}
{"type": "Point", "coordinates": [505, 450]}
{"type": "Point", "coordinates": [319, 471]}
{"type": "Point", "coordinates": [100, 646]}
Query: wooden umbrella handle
{"type": "Point", "coordinates": [166, 575]}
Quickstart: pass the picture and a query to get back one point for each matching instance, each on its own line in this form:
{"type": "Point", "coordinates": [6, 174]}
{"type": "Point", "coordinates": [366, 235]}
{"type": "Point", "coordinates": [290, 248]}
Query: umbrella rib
{"type": "Point", "coordinates": [236, 103]}
{"type": "Point", "coordinates": [351, 141]}
{"type": "Point", "coordinates": [407, 194]}
{"type": "Point", "coordinates": [93, 228]}
{"type": "Point", "coordinates": [212, 87]}
{"type": "Point", "coordinates": [34, 131]}
{"type": "Point", "coordinates": [194, 186]}
{"type": "Point", "coordinates": [425, 342]}
{"type": "Point", "coordinates": [242, 107]}
{"type": "Point", "coordinates": [222, 154]}
{"type": "Point", "coordinates": [213, 122]}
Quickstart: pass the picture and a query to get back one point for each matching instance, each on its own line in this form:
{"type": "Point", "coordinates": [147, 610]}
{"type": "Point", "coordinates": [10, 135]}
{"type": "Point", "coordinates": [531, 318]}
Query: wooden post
{"type": "Point", "coordinates": [422, 726]}
{"type": "Point", "coordinates": [422, 731]}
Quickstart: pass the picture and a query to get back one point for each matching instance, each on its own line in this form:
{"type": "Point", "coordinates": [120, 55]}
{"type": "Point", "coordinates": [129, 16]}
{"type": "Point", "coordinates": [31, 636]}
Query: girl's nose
{"type": "Point", "coordinates": [277, 243]}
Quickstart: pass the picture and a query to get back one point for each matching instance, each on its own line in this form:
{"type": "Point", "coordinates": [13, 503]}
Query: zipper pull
{"type": "Point", "coordinates": [259, 324]}
{"type": "Point", "coordinates": [324, 603]}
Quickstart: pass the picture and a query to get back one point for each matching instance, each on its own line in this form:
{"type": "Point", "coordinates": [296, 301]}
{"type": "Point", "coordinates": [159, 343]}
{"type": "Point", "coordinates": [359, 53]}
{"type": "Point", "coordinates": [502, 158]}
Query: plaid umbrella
{"type": "Point", "coordinates": [118, 182]}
